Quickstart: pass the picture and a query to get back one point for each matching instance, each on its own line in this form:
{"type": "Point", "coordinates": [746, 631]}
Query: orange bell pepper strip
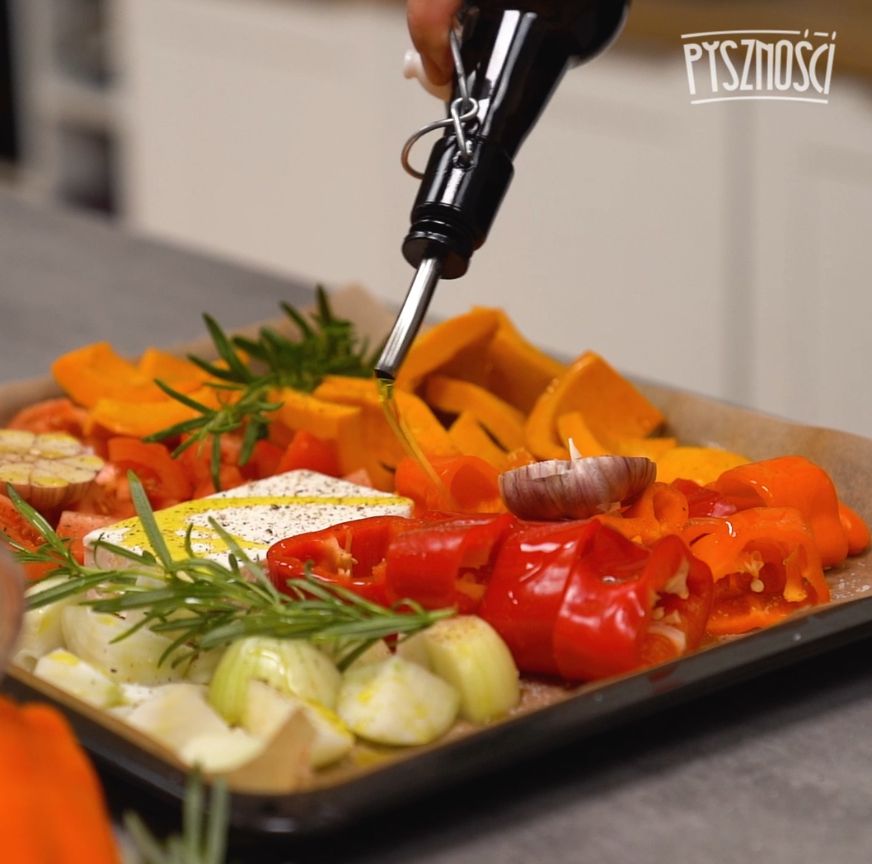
{"type": "Point", "coordinates": [140, 420]}
{"type": "Point", "coordinates": [855, 528]}
{"type": "Point", "coordinates": [792, 481]}
{"type": "Point", "coordinates": [611, 406]}
{"type": "Point", "coordinates": [468, 485]}
{"type": "Point", "coordinates": [95, 372]}
{"type": "Point", "coordinates": [179, 373]}
{"type": "Point", "coordinates": [659, 511]}
{"type": "Point", "coordinates": [765, 564]}
{"type": "Point", "coordinates": [452, 396]}
{"type": "Point", "coordinates": [441, 344]}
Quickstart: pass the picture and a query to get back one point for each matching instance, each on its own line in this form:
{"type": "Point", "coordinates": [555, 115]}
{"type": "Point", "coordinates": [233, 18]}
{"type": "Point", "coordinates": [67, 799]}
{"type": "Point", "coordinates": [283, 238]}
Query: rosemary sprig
{"type": "Point", "coordinates": [201, 604]}
{"type": "Point", "coordinates": [204, 834]}
{"type": "Point", "coordinates": [247, 371]}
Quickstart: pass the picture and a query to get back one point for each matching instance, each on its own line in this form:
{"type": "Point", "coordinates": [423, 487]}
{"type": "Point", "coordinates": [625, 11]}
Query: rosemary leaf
{"type": "Point", "coordinates": [149, 523]}
{"type": "Point", "coordinates": [202, 604]}
{"type": "Point", "coordinates": [252, 368]}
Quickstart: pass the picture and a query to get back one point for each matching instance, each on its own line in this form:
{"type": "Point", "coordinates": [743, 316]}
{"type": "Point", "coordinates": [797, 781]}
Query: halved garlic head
{"type": "Point", "coordinates": [575, 488]}
{"type": "Point", "coordinates": [48, 470]}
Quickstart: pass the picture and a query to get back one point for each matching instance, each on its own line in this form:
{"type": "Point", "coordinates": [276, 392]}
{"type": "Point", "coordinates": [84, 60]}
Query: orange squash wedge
{"type": "Point", "coordinates": [517, 372]}
{"type": "Point", "coordinates": [441, 344]}
{"type": "Point", "coordinates": [471, 439]}
{"type": "Point", "coordinates": [700, 464]}
{"type": "Point", "coordinates": [572, 425]}
{"type": "Point", "coordinates": [452, 396]}
{"type": "Point", "coordinates": [610, 404]}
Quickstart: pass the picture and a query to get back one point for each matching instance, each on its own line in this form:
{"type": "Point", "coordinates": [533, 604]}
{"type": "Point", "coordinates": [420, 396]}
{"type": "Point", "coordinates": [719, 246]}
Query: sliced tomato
{"type": "Point", "coordinates": [73, 526]}
{"type": "Point", "coordinates": [15, 527]}
{"type": "Point", "coordinates": [162, 477]}
{"type": "Point", "coordinates": [196, 463]}
{"type": "Point", "coordinates": [307, 451]}
{"type": "Point", "coordinates": [263, 462]}
{"type": "Point", "coordinates": [229, 477]}
{"type": "Point", "coordinates": [52, 415]}
{"type": "Point", "coordinates": [108, 495]}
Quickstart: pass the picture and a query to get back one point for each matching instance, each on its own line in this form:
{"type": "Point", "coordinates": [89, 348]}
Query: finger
{"type": "Point", "coordinates": [429, 25]}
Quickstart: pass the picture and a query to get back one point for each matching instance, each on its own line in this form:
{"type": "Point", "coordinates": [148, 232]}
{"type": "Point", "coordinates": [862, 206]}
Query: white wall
{"type": "Point", "coordinates": [721, 248]}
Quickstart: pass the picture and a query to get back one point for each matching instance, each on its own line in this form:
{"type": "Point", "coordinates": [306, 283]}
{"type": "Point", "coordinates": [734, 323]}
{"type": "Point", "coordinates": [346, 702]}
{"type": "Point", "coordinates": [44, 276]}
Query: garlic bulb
{"type": "Point", "coordinates": [50, 470]}
{"type": "Point", "coordinates": [575, 488]}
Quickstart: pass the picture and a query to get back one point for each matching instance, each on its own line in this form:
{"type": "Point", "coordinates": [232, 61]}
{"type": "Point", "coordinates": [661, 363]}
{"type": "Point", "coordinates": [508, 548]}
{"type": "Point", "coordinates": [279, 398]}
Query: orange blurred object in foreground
{"type": "Point", "coordinates": [52, 809]}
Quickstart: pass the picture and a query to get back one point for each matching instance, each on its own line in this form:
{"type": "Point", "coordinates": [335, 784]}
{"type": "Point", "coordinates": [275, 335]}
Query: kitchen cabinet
{"type": "Point", "coordinates": [812, 222]}
{"type": "Point", "coordinates": [718, 247]}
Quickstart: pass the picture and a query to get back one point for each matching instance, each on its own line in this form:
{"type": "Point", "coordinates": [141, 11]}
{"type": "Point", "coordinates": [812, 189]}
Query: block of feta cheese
{"type": "Point", "coordinates": [256, 515]}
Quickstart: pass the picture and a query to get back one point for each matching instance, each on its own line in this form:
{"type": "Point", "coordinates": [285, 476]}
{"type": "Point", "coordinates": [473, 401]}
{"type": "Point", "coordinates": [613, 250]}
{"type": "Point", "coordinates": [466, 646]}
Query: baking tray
{"type": "Point", "coordinates": [551, 714]}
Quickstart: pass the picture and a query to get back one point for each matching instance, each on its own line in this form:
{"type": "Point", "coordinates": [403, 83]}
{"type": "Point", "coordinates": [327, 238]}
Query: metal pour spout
{"type": "Point", "coordinates": [509, 56]}
{"type": "Point", "coordinates": [410, 318]}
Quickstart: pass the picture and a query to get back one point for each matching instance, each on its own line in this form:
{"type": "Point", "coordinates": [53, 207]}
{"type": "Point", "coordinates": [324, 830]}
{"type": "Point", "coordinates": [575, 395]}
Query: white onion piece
{"type": "Point", "coordinates": [575, 488]}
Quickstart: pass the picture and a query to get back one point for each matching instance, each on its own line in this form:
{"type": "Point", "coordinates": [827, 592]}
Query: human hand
{"type": "Point", "coordinates": [429, 24]}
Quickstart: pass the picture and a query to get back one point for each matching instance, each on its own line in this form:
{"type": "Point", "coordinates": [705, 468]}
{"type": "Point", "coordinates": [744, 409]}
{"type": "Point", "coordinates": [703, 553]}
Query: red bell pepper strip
{"type": "Point", "coordinates": [446, 562]}
{"type": "Point", "coordinates": [350, 554]}
{"type": "Point", "coordinates": [626, 608]}
{"type": "Point", "coordinates": [765, 564]}
{"type": "Point", "coordinates": [443, 561]}
{"type": "Point", "coordinates": [703, 500]}
{"type": "Point", "coordinates": [526, 588]}
{"type": "Point", "coordinates": [581, 601]}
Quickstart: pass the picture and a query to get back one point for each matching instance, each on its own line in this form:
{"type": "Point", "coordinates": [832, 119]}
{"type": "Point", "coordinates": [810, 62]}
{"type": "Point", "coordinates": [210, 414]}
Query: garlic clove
{"type": "Point", "coordinates": [575, 488]}
{"type": "Point", "coordinates": [48, 470]}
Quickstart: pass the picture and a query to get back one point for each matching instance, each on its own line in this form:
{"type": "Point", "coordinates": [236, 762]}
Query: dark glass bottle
{"type": "Point", "coordinates": [514, 55]}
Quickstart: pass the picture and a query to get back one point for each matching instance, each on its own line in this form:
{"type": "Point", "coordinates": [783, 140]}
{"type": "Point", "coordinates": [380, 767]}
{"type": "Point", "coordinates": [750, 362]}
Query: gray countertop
{"type": "Point", "coordinates": [776, 770]}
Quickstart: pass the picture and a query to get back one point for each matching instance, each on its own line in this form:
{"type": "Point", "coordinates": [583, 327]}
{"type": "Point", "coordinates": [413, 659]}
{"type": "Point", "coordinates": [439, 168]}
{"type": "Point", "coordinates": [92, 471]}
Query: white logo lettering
{"type": "Point", "coordinates": [785, 65]}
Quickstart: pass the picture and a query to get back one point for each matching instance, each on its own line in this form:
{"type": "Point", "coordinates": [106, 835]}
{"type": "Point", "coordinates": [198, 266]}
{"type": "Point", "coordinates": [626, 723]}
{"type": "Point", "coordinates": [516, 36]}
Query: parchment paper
{"type": "Point", "coordinates": [693, 419]}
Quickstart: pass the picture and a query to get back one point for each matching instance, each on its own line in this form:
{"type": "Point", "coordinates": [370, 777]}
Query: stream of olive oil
{"type": "Point", "coordinates": [401, 430]}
